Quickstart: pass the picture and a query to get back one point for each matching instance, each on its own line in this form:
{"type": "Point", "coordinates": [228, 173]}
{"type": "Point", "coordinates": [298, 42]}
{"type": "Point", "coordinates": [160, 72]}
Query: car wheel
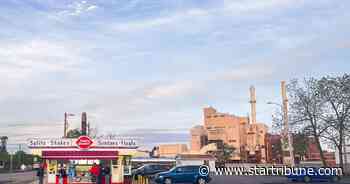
{"type": "Point", "coordinates": [335, 179]}
{"type": "Point", "coordinates": [307, 179]}
{"type": "Point", "coordinates": [201, 181]}
{"type": "Point", "coordinates": [167, 181]}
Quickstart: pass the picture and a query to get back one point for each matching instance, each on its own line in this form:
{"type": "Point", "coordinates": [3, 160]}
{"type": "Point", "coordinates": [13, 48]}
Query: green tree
{"type": "Point", "coordinates": [74, 133]}
{"type": "Point", "coordinates": [224, 154]}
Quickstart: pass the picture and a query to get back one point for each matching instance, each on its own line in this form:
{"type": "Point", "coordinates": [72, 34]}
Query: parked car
{"type": "Point", "coordinates": [182, 174]}
{"type": "Point", "coordinates": [151, 169]}
{"type": "Point", "coordinates": [307, 178]}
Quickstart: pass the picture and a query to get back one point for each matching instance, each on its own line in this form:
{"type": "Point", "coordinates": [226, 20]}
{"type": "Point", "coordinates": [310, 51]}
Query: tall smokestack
{"type": "Point", "coordinates": [253, 104]}
{"type": "Point", "coordinates": [83, 124]}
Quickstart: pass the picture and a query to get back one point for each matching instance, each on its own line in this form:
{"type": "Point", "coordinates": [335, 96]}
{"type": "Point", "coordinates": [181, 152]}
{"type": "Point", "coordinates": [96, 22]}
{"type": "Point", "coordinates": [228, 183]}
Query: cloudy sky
{"type": "Point", "coordinates": [148, 67]}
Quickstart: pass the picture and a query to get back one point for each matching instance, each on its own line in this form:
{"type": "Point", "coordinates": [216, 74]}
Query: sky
{"type": "Point", "coordinates": [147, 67]}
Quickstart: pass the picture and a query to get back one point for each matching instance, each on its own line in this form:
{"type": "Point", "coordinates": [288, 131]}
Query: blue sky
{"type": "Point", "coordinates": [149, 67]}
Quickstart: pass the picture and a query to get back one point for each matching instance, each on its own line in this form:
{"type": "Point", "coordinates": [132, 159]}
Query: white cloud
{"type": "Point", "coordinates": [23, 58]}
{"type": "Point", "coordinates": [77, 8]}
{"type": "Point", "coordinates": [255, 71]}
{"type": "Point", "coordinates": [239, 6]}
{"type": "Point", "coordinates": [170, 90]}
{"type": "Point", "coordinates": [162, 20]}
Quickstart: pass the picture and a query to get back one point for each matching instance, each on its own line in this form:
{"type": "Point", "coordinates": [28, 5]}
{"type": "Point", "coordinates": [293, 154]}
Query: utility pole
{"type": "Point", "coordinates": [286, 132]}
{"type": "Point", "coordinates": [65, 125]}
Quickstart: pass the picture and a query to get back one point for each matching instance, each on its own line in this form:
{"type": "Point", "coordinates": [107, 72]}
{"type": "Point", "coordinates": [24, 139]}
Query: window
{"type": "Point", "coordinates": [2, 164]}
{"type": "Point", "coordinates": [179, 170]}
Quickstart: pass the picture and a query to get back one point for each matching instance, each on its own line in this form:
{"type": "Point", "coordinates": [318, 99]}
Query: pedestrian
{"type": "Point", "coordinates": [95, 172]}
{"type": "Point", "coordinates": [107, 171]}
{"type": "Point", "coordinates": [71, 172]}
{"type": "Point", "coordinates": [61, 174]}
{"type": "Point", "coordinates": [100, 174]}
{"type": "Point", "coordinates": [40, 174]}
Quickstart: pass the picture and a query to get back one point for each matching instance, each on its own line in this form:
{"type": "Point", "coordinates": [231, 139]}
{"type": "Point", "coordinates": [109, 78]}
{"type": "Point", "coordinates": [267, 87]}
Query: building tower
{"type": "Point", "coordinates": [287, 145]}
{"type": "Point", "coordinates": [84, 124]}
{"type": "Point", "coordinates": [253, 104]}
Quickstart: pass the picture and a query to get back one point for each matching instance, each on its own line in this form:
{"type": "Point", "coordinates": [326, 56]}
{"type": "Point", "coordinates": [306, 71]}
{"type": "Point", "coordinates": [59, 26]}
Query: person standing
{"type": "Point", "coordinates": [95, 172]}
{"type": "Point", "coordinates": [100, 174]}
{"type": "Point", "coordinates": [71, 172]}
{"type": "Point", "coordinates": [61, 174]}
{"type": "Point", "coordinates": [107, 174]}
{"type": "Point", "coordinates": [40, 174]}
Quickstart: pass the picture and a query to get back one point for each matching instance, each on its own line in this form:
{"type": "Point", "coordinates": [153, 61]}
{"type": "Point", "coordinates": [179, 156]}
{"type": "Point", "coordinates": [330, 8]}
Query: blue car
{"type": "Point", "coordinates": [312, 176]}
{"type": "Point", "coordinates": [184, 174]}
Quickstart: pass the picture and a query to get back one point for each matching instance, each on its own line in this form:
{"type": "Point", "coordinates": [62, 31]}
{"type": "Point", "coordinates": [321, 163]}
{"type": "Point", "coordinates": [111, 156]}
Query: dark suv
{"type": "Point", "coordinates": [184, 174]}
{"type": "Point", "coordinates": [151, 169]}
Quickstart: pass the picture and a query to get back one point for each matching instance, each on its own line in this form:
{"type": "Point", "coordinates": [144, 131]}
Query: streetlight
{"type": "Point", "coordinates": [286, 132]}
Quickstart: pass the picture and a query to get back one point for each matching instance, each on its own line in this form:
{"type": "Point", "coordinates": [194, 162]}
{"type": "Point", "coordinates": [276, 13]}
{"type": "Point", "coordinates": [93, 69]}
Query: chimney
{"type": "Point", "coordinates": [83, 124]}
{"type": "Point", "coordinates": [253, 104]}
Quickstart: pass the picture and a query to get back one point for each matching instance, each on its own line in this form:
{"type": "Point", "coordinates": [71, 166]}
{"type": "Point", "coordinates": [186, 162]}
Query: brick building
{"type": "Point", "coordinates": [313, 153]}
{"type": "Point", "coordinates": [247, 138]}
{"type": "Point", "coordinates": [274, 149]}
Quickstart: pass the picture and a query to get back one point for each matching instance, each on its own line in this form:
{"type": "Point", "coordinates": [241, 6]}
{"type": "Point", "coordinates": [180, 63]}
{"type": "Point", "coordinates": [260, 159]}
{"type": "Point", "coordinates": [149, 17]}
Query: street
{"type": "Point", "coordinates": [28, 177]}
{"type": "Point", "coordinates": [17, 178]}
{"type": "Point", "coordinates": [259, 180]}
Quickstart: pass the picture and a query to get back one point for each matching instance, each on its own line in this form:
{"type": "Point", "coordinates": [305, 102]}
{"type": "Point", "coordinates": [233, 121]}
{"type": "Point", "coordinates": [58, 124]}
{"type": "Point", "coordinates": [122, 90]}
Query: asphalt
{"type": "Point", "coordinates": [29, 177]}
{"type": "Point", "coordinates": [17, 178]}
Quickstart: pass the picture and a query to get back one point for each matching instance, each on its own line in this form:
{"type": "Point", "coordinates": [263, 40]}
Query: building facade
{"type": "Point", "coordinates": [274, 149]}
{"type": "Point", "coordinates": [171, 150]}
{"type": "Point", "coordinates": [313, 153]}
{"type": "Point", "coordinates": [247, 138]}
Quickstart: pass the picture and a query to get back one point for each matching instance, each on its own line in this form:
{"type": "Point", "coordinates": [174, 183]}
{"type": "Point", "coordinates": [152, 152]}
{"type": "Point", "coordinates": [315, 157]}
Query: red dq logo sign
{"type": "Point", "coordinates": [84, 142]}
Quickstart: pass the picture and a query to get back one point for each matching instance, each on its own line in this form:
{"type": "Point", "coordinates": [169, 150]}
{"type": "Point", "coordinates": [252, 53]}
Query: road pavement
{"type": "Point", "coordinates": [17, 178]}
{"type": "Point", "coordinates": [29, 177]}
{"type": "Point", "coordinates": [261, 180]}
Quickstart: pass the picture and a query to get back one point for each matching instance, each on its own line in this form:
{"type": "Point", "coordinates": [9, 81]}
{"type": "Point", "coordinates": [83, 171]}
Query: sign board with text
{"type": "Point", "coordinates": [83, 142]}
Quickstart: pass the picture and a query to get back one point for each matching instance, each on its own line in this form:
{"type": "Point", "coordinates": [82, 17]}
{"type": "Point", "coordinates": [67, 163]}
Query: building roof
{"type": "Point", "coordinates": [195, 157]}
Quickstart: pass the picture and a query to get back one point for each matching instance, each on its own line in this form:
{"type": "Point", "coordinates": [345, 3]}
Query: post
{"type": "Point", "coordinates": [11, 168]}
{"type": "Point", "coordinates": [11, 163]}
{"type": "Point", "coordinates": [345, 156]}
{"type": "Point", "coordinates": [65, 125]}
{"type": "Point", "coordinates": [286, 132]}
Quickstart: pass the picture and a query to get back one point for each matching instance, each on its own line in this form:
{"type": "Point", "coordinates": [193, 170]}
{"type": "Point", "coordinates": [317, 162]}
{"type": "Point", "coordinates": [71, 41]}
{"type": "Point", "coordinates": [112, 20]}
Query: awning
{"type": "Point", "coordinates": [79, 155]}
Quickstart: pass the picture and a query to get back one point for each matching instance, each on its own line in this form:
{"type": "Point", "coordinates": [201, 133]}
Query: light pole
{"type": "Point", "coordinates": [286, 132]}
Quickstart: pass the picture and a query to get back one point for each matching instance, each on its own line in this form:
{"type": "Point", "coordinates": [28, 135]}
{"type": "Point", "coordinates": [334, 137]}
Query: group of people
{"type": "Point", "coordinates": [100, 174]}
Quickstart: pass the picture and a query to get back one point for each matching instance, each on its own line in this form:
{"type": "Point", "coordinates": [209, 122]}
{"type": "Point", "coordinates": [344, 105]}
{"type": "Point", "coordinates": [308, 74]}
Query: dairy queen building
{"type": "Point", "coordinates": [82, 153]}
